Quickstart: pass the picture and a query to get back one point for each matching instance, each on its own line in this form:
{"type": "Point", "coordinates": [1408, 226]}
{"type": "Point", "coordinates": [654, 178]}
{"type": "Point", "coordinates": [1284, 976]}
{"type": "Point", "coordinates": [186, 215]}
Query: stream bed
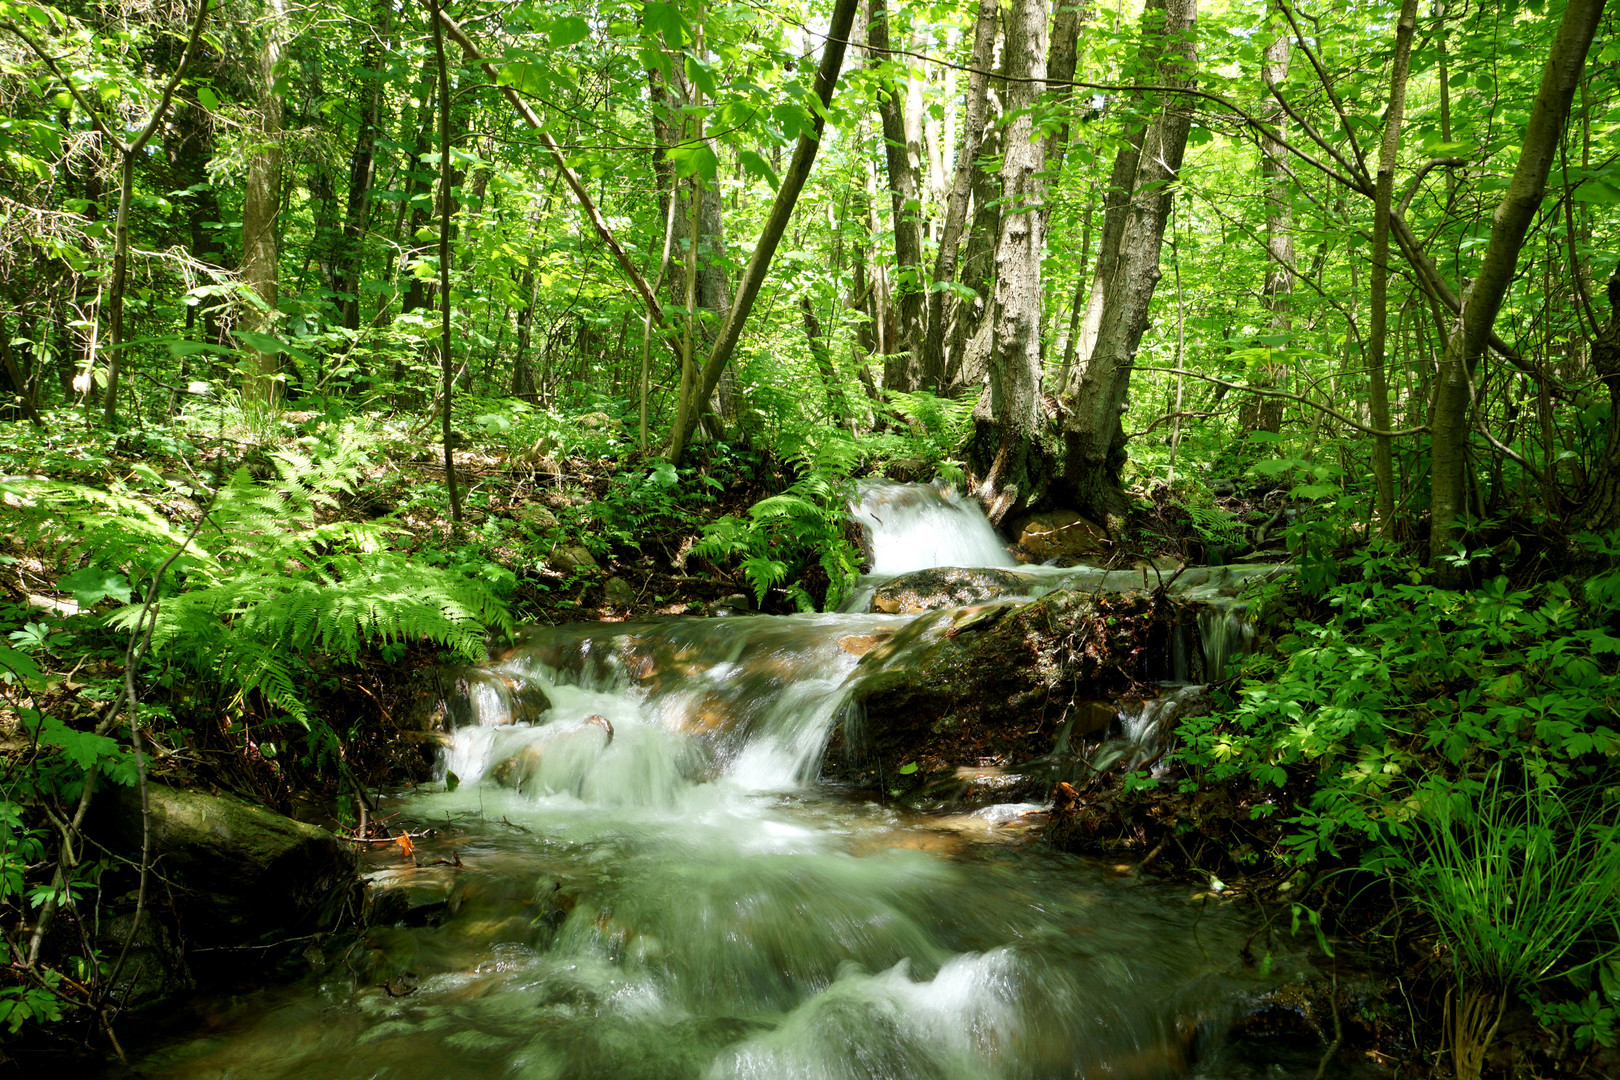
{"type": "Point", "coordinates": [630, 868]}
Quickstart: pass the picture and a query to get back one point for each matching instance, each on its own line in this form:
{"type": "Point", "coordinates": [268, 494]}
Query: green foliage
{"type": "Point", "coordinates": [1594, 1018]}
{"type": "Point", "coordinates": [929, 431]}
{"type": "Point", "coordinates": [784, 534]}
{"type": "Point", "coordinates": [1524, 887]}
{"type": "Point", "coordinates": [1406, 690]}
{"type": "Point", "coordinates": [1460, 744]}
{"type": "Point", "coordinates": [1214, 525]}
{"type": "Point", "coordinates": [267, 583]}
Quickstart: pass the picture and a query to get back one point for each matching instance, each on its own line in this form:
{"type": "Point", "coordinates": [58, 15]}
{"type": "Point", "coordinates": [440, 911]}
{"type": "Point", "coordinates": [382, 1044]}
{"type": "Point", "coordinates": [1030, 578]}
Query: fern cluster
{"type": "Point", "coordinates": [1215, 526]}
{"type": "Point", "coordinates": [783, 535]}
{"type": "Point", "coordinates": [264, 586]}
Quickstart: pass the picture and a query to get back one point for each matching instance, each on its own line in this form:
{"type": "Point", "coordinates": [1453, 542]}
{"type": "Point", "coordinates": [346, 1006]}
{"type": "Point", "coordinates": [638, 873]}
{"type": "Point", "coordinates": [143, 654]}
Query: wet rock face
{"type": "Point", "coordinates": [994, 683]}
{"type": "Point", "coordinates": [944, 587]}
{"type": "Point", "coordinates": [1059, 534]}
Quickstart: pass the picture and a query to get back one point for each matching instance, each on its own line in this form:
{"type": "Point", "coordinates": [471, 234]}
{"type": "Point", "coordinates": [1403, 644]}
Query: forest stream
{"type": "Point", "coordinates": [633, 868]}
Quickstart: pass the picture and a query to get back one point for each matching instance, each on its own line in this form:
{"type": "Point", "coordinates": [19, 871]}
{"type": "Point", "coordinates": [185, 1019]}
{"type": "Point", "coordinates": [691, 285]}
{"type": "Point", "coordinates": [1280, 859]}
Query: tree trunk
{"type": "Point", "coordinates": [787, 196]}
{"type": "Point", "coordinates": [1121, 186]}
{"type": "Point", "coordinates": [1004, 457]}
{"type": "Point", "coordinates": [1378, 329]}
{"type": "Point", "coordinates": [522, 375]}
{"type": "Point", "coordinates": [942, 303]}
{"type": "Point", "coordinates": [362, 164]}
{"type": "Point", "coordinates": [1265, 413]}
{"type": "Point", "coordinates": [446, 209]}
{"type": "Point", "coordinates": [1062, 58]}
{"type": "Point", "coordinates": [1454, 391]}
{"type": "Point", "coordinates": [822, 355]}
{"type": "Point", "coordinates": [901, 366]}
{"type": "Point", "coordinates": [968, 356]}
{"type": "Point", "coordinates": [1600, 509]}
{"type": "Point", "coordinates": [261, 204]}
{"type": "Point", "coordinates": [1145, 170]}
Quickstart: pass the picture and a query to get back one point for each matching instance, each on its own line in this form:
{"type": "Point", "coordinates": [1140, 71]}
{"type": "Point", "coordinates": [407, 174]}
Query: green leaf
{"type": "Point", "coordinates": [18, 665]}
{"type": "Point", "coordinates": [178, 349]}
{"type": "Point", "coordinates": [81, 747]}
{"type": "Point", "coordinates": [753, 163]}
{"type": "Point", "coordinates": [207, 98]}
{"type": "Point", "coordinates": [908, 768]}
{"type": "Point", "coordinates": [701, 75]}
{"type": "Point", "coordinates": [1597, 191]}
{"type": "Point", "coordinates": [568, 31]}
{"type": "Point", "coordinates": [261, 343]}
{"type": "Point", "coordinates": [665, 19]}
{"type": "Point", "coordinates": [524, 76]}
{"type": "Point", "coordinates": [695, 160]}
{"type": "Point", "coordinates": [93, 584]}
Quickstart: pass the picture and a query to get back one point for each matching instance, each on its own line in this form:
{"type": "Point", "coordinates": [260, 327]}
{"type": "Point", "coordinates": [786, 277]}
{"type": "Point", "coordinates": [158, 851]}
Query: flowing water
{"type": "Point", "coordinates": [634, 872]}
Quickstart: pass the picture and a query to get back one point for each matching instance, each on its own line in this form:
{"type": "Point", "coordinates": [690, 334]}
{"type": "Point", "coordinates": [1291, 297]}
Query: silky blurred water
{"type": "Point", "coordinates": [634, 872]}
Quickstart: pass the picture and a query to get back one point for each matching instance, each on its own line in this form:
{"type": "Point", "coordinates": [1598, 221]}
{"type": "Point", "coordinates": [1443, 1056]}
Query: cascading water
{"type": "Point", "coordinates": [639, 876]}
{"type": "Point", "coordinates": [917, 526]}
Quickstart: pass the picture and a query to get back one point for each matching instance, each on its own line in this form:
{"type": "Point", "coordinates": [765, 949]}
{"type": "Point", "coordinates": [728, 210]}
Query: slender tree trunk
{"type": "Point", "coordinates": [901, 366]}
{"type": "Point", "coordinates": [942, 302]}
{"type": "Point", "coordinates": [362, 164]}
{"type": "Point", "coordinates": [1600, 509]}
{"type": "Point", "coordinates": [261, 205]}
{"type": "Point", "coordinates": [968, 356]}
{"type": "Point", "coordinates": [1265, 413]}
{"type": "Point", "coordinates": [822, 355]}
{"type": "Point", "coordinates": [787, 196]}
{"type": "Point", "coordinates": [1005, 457]}
{"type": "Point", "coordinates": [1454, 392]}
{"type": "Point", "coordinates": [18, 380]}
{"type": "Point", "coordinates": [1145, 171]}
{"type": "Point", "coordinates": [522, 376]}
{"type": "Point", "coordinates": [1377, 331]}
{"type": "Point", "coordinates": [446, 207]}
{"type": "Point", "coordinates": [1068, 21]}
{"type": "Point", "coordinates": [1122, 183]}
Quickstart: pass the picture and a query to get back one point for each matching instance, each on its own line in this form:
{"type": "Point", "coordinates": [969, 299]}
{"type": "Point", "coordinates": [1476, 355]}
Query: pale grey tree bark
{"type": "Point", "coordinates": [1005, 455]}
{"type": "Point", "coordinates": [1143, 183]}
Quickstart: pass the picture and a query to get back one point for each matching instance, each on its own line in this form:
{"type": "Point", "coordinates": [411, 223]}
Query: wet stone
{"type": "Point", "coordinates": [946, 586]}
{"type": "Point", "coordinates": [618, 592]}
{"type": "Point", "coordinates": [1059, 534]}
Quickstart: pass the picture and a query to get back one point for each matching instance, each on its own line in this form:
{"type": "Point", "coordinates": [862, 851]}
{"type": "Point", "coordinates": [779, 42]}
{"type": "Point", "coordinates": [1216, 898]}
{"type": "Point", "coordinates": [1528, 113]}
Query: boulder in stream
{"type": "Point", "coordinates": [1059, 534]}
{"type": "Point", "coordinates": [995, 684]}
{"type": "Point", "coordinates": [946, 586]}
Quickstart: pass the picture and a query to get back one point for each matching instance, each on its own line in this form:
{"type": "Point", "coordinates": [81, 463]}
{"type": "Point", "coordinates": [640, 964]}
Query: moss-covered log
{"type": "Point", "coordinates": [233, 872]}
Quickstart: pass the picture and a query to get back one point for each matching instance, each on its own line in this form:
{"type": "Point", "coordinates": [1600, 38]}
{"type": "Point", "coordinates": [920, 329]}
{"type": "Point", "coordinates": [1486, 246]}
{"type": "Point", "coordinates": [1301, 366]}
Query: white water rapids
{"type": "Point", "coordinates": [643, 878]}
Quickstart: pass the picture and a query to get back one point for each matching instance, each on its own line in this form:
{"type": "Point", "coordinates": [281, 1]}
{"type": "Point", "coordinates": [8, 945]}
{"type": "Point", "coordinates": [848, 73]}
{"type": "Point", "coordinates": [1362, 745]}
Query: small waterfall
{"type": "Point", "coordinates": [636, 875]}
{"type": "Point", "coordinates": [1150, 726]}
{"type": "Point", "coordinates": [918, 527]}
{"type": "Point", "coordinates": [1226, 632]}
{"type": "Point", "coordinates": [640, 713]}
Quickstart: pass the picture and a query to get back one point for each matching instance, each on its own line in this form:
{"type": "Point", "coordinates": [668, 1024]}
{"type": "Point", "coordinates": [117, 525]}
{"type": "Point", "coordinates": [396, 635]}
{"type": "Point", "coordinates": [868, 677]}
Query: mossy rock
{"type": "Point", "coordinates": [234, 872]}
{"type": "Point", "coordinates": [946, 586]}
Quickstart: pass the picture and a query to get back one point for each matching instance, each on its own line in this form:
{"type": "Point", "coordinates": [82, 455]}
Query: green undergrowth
{"type": "Point", "coordinates": [1455, 749]}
